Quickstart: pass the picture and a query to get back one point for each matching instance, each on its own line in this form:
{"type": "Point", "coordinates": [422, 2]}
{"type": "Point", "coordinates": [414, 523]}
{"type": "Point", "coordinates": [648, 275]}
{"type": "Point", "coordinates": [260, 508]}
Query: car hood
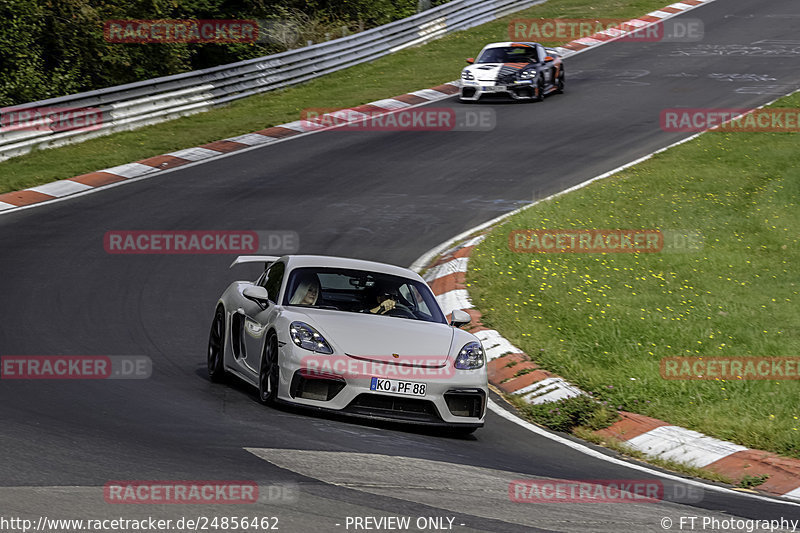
{"type": "Point", "coordinates": [490, 71]}
{"type": "Point", "coordinates": [485, 71]}
{"type": "Point", "coordinates": [379, 338]}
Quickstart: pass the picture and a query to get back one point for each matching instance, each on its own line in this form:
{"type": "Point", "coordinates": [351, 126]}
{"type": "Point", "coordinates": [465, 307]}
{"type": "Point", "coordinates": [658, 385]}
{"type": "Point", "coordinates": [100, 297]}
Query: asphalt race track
{"type": "Point", "coordinates": [387, 196]}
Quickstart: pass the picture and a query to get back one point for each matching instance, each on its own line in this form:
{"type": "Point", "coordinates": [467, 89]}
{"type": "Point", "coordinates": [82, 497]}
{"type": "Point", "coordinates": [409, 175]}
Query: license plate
{"type": "Point", "coordinates": [410, 388]}
{"type": "Point", "coordinates": [493, 89]}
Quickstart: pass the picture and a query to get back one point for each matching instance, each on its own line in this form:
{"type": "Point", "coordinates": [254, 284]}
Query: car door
{"type": "Point", "coordinates": [546, 67]}
{"type": "Point", "coordinates": [254, 319]}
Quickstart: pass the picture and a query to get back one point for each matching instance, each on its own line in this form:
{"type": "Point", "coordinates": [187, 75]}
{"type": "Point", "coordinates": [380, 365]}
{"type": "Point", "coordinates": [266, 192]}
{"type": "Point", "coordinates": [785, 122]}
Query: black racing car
{"type": "Point", "coordinates": [524, 71]}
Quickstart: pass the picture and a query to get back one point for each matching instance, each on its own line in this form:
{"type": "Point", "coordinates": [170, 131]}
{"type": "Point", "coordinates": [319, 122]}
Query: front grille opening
{"type": "Point", "coordinates": [468, 92]}
{"type": "Point", "coordinates": [321, 389]}
{"type": "Point", "coordinates": [524, 92]}
{"type": "Point", "coordinates": [468, 404]}
{"type": "Point", "coordinates": [394, 407]}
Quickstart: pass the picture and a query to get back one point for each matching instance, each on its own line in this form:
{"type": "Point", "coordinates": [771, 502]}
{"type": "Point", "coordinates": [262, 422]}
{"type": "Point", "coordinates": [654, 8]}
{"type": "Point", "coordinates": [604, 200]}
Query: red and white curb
{"type": "Point", "coordinates": [628, 27]}
{"type": "Point", "coordinates": [513, 372]}
{"type": "Point", "coordinates": [156, 165]}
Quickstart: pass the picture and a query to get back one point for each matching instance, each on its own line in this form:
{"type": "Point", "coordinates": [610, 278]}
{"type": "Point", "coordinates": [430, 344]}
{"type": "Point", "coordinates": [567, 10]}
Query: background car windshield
{"type": "Point", "coordinates": [358, 291]}
{"type": "Point", "coordinates": [508, 54]}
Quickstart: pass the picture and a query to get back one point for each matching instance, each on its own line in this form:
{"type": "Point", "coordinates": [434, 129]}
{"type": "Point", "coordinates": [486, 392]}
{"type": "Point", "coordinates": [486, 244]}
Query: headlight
{"type": "Point", "coordinates": [470, 357]}
{"type": "Point", "coordinates": [307, 337]}
{"type": "Point", "coordinates": [528, 74]}
{"type": "Point", "coordinates": [467, 75]}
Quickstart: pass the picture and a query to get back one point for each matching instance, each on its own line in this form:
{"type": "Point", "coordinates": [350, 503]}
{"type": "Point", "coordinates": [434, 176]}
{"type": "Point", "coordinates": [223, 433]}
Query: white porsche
{"type": "Point", "coordinates": [357, 337]}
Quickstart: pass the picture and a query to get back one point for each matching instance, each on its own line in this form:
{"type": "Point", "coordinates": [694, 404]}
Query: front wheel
{"type": "Point", "coordinates": [269, 371]}
{"type": "Point", "coordinates": [539, 90]}
{"type": "Point", "coordinates": [560, 82]}
{"type": "Point", "coordinates": [216, 347]}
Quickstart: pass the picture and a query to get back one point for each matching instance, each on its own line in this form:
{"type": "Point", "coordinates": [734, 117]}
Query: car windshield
{"type": "Point", "coordinates": [361, 291]}
{"type": "Point", "coordinates": [508, 54]}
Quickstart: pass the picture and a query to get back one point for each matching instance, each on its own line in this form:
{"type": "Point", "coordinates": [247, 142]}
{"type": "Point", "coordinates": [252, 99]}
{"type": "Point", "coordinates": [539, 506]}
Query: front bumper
{"type": "Point", "coordinates": [518, 90]}
{"type": "Point", "coordinates": [457, 400]}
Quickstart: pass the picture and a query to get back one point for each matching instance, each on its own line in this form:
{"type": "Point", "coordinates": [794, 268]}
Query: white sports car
{"type": "Point", "coordinates": [357, 337]}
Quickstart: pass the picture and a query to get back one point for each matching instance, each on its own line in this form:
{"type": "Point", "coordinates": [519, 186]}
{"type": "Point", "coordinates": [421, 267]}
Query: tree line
{"type": "Point", "coordinates": [51, 48]}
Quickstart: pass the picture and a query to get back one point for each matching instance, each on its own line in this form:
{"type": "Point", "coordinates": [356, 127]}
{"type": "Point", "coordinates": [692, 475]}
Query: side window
{"type": "Point", "coordinates": [274, 279]}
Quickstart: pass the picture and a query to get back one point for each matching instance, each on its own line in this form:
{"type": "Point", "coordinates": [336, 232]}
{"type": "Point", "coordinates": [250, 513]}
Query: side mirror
{"type": "Point", "coordinates": [257, 293]}
{"type": "Point", "coordinates": [459, 318]}
{"type": "Point", "coordinates": [549, 58]}
{"type": "Point", "coordinates": [470, 60]}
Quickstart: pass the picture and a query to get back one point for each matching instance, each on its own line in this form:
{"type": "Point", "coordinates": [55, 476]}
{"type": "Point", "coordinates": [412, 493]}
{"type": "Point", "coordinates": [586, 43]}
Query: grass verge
{"type": "Point", "coordinates": [408, 70]}
{"type": "Point", "coordinates": [605, 321]}
{"type": "Point", "coordinates": [567, 414]}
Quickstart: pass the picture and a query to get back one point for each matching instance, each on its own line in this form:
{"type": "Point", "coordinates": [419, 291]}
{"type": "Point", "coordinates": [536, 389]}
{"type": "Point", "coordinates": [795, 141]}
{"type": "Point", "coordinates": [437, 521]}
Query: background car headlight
{"type": "Point", "coordinates": [470, 357]}
{"type": "Point", "coordinates": [307, 337]}
{"type": "Point", "coordinates": [467, 75]}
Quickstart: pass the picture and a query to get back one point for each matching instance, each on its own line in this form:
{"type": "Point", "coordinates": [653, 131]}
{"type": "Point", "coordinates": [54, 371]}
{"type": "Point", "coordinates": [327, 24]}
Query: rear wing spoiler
{"type": "Point", "coordinates": [266, 259]}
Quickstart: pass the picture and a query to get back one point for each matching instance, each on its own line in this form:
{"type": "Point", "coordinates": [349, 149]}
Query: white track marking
{"type": "Point", "coordinates": [684, 445]}
{"type": "Point", "coordinates": [61, 188]}
{"type": "Point", "coordinates": [195, 154]}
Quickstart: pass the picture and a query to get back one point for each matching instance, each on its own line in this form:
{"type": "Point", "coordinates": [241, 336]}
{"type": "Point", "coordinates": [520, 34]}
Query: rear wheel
{"type": "Point", "coordinates": [216, 346]}
{"type": "Point", "coordinates": [269, 371]}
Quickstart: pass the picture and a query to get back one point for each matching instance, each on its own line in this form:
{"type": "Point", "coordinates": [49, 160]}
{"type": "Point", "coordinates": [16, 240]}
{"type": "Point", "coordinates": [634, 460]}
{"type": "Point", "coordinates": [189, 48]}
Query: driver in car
{"type": "Point", "coordinates": [385, 304]}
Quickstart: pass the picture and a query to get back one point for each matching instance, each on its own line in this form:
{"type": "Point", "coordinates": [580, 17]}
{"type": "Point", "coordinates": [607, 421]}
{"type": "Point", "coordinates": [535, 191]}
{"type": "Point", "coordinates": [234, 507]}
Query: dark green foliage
{"type": "Point", "coordinates": [566, 414]}
{"type": "Point", "coordinates": [51, 48]}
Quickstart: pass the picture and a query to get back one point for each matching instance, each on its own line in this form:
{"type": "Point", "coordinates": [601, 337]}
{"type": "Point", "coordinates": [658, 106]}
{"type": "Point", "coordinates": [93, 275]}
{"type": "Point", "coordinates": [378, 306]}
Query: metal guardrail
{"type": "Point", "coordinates": [130, 106]}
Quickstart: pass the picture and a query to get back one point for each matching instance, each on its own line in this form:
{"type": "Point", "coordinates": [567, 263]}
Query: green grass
{"type": "Point", "coordinates": [404, 71]}
{"type": "Point", "coordinates": [604, 321]}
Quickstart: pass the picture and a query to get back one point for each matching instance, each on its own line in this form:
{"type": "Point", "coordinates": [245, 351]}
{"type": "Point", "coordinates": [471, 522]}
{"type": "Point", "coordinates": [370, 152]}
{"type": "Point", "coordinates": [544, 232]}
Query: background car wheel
{"type": "Point", "coordinates": [539, 96]}
{"type": "Point", "coordinates": [216, 347]}
{"type": "Point", "coordinates": [560, 83]}
{"type": "Point", "coordinates": [268, 372]}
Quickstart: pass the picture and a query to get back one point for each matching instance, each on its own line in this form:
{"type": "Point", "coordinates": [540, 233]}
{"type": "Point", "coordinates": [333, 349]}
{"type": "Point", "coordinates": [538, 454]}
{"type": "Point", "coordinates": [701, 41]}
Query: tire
{"type": "Point", "coordinates": [539, 90]}
{"type": "Point", "coordinates": [560, 82]}
{"type": "Point", "coordinates": [216, 347]}
{"type": "Point", "coordinates": [269, 371]}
